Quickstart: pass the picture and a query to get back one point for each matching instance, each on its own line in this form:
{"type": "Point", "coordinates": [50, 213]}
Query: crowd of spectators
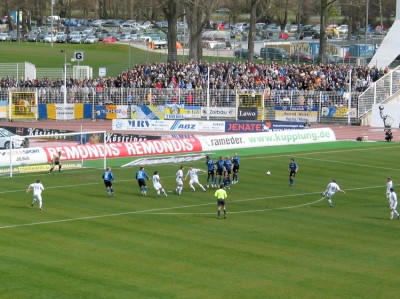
{"type": "Point", "coordinates": [223, 75]}
{"type": "Point", "coordinates": [192, 77]}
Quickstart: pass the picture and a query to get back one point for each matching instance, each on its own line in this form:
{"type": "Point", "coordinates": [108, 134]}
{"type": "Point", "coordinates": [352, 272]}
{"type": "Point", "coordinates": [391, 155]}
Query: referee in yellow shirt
{"type": "Point", "coordinates": [221, 195]}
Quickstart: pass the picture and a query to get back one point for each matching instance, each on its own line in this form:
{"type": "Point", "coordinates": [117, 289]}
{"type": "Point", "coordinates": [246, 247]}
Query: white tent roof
{"type": "Point", "coordinates": [390, 46]}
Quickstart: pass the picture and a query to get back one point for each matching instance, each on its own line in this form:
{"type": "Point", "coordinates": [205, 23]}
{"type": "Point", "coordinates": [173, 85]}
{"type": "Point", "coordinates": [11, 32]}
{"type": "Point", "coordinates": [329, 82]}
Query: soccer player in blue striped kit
{"type": "Point", "coordinates": [108, 178]}
{"type": "Point", "coordinates": [141, 176]}
{"type": "Point", "coordinates": [293, 168]}
{"type": "Point", "coordinates": [210, 172]}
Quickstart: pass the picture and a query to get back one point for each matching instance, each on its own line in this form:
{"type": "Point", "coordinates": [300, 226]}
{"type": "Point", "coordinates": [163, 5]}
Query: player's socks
{"type": "Point", "coordinates": [219, 214]}
{"type": "Point", "coordinates": [224, 213]}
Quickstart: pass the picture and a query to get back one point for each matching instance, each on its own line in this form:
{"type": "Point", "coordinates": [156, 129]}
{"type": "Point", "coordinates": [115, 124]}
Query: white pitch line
{"type": "Point", "coordinates": [152, 211]}
{"type": "Point", "coordinates": [349, 163]}
{"type": "Point", "coordinates": [242, 212]}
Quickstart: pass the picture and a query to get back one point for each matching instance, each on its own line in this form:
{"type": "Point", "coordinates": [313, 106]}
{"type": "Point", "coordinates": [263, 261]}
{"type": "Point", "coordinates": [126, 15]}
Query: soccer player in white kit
{"type": "Point", "coordinates": [331, 190]}
{"type": "Point", "coordinates": [37, 192]}
{"type": "Point", "coordinates": [194, 178]}
{"type": "Point", "coordinates": [389, 184]}
{"type": "Point", "coordinates": [157, 184]}
{"type": "Point", "coordinates": [179, 180]}
{"type": "Point", "coordinates": [393, 204]}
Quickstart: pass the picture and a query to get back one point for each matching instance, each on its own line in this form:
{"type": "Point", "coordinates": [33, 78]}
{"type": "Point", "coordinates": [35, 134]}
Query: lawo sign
{"type": "Point", "coordinates": [247, 113]}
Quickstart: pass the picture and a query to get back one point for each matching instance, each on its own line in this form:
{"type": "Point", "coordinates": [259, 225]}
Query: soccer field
{"type": "Point", "coordinates": [277, 241]}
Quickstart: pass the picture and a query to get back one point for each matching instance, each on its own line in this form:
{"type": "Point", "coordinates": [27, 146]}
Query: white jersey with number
{"type": "Point", "coordinates": [37, 188]}
{"type": "Point", "coordinates": [393, 200]}
{"type": "Point", "coordinates": [37, 191]}
{"type": "Point", "coordinates": [332, 188]}
{"type": "Point", "coordinates": [156, 181]}
{"type": "Point", "coordinates": [179, 176]}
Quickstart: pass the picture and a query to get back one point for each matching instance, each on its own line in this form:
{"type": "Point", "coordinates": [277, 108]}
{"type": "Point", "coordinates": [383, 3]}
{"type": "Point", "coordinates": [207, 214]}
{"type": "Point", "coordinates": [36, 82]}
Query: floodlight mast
{"type": "Point", "coordinates": [65, 76]}
{"type": "Point", "coordinates": [65, 82]}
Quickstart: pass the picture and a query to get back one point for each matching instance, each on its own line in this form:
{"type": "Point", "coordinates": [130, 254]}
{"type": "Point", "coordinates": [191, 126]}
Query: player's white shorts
{"type": "Point", "coordinates": [157, 186]}
{"type": "Point", "coordinates": [330, 194]}
{"type": "Point", "coordinates": [194, 181]}
{"type": "Point", "coordinates": [179, 181]}
{"type": "Point", "coordinates": [393, 206]}
{"type": "Point", "coordinates": [37, 197]}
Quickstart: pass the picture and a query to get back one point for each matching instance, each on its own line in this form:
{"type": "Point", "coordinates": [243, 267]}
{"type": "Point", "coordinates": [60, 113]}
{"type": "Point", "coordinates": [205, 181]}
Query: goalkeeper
{"type": "Point", "coordinates": [56, 162]}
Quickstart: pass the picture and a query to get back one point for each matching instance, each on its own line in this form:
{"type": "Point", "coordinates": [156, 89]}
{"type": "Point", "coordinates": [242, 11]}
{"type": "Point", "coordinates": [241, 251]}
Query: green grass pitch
{"type": "Point", "coordinates": [277, 242]}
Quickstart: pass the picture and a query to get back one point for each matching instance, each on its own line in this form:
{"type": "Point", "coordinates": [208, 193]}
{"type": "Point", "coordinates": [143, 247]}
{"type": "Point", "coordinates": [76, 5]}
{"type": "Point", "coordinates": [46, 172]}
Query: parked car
{"type": "Point", "coordinates": [32, 37]}
{"type": "Point", "coordinates": [283, 35]}
{"type": "Point", "coordinates": [223, 10]}
{"type": "Point", "coordinates": [91, 39]}
{"type": "Point", "coordinates": [16, 141]}
{"type": "Point", "coordinates": [109, 39]}
{"type": "Point", "coordinates": [274, 54]}
{"type": "Point", "coordinates": [329, 58]}
{"type": "Point", "coordinates": [308, 34]}
{"type": "Point", "coordinates": [343, 29]}
{"type": "Point", "coordinates": [61, 37]}
{"type": "Point", "coordinates": [5, 36]}
{"type": "Point", "coordinates": [124, 37]}
{"type": "Point", "coordinates": [301, 56]}
{"type": "Point", "coordinates": [15, 36]}
{"type": "Point", "coordinates": [157, 41]}
{"type": "Point", "coordinates": [47, 37]}
{"type": "Point", "coordinates": [244, 53]}
{"type": "Point", "coordinates": [332, 30]}
{"type": "Point", "coordinates": [76, 39]}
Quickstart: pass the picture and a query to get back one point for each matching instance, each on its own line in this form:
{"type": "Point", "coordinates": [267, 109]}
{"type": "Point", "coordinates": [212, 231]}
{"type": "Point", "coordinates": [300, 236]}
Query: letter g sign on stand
{"type": "Point", "coordinates": [78, 56]}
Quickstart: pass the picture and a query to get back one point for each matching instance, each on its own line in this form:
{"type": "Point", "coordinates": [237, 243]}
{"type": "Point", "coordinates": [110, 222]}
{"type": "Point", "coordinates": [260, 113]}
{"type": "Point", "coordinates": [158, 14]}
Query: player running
{"type": "Point", "coordinates": [141, 176]}
{"type": "Point", "coordinates": [194, 178]}
{"type": "Point", "coordinates": [179, 180]}
{"type": "Point", "coordinates": [37, 192]}
{"type": "Point", "coordinates": [331, 190]}
{"type": "Point", "coordinates": [393, 204]}
{"type": "Point", "coordinates": [157, 184]}
{"type": "Point", "coordinates": [108, 178]}
{"type": "Point", "coordinates": [293, 168]}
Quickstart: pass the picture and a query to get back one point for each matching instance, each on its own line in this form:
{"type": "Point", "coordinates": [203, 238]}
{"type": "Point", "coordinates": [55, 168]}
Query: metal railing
{"type": "Point", "coordinates": [378, 92]}
{"type": "Point", "coordinates": [192, 97]}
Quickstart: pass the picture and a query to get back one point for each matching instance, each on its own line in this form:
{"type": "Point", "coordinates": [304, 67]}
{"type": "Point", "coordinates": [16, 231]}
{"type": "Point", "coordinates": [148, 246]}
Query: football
{"type": "Point", "coordinates": [268, 172]}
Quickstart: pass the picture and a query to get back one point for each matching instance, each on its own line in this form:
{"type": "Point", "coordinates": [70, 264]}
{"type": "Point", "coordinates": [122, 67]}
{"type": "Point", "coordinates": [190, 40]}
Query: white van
{"type": "Point", "coordinates": [55, 19]}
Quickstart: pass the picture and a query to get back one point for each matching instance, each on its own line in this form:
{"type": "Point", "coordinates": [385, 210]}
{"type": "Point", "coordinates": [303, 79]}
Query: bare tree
{"type": "Point", "coordinates": [198, 15]}
{"type": "Point", "coordinates": [172, 11]}
{"type": "Point", "coordinates": [280, 9]}
{"type": "Point", "coordinates": [325, 5]}
{"type": "Point", "coordinates": [252, 30]}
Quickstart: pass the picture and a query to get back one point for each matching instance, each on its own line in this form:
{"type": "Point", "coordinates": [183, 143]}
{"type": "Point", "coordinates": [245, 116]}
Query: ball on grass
{"type": "Point", "coordinates": [268, 172]}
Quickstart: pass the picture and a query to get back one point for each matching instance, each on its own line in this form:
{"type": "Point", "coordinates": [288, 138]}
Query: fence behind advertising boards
{"type": "Point", "coordinates": [222, 104]}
